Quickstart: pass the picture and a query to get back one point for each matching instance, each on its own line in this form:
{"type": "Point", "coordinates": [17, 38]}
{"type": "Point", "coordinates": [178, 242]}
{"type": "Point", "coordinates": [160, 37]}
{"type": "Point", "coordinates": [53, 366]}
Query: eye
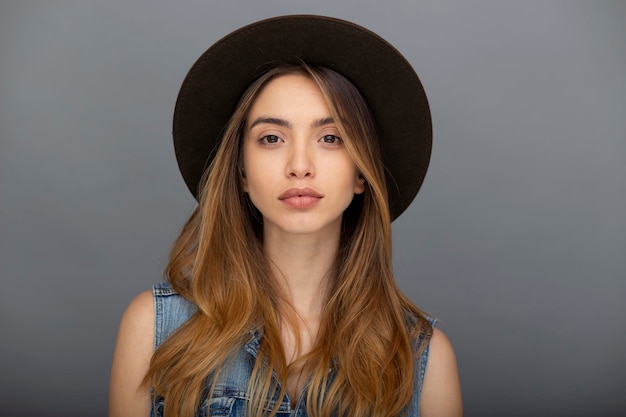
{"type": "Point", "coordinates": [331, 139]}
{"type": "Point", "coordinates": [270, 139]}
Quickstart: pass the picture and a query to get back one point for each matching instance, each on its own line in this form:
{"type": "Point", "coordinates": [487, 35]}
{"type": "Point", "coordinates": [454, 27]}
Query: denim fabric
{"type": "Point", "coordinates": [229, 397]}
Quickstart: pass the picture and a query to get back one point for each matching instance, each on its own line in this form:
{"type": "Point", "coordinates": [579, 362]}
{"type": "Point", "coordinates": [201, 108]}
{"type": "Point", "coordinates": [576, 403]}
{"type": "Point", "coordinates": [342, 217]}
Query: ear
{"type": "Point", "coordinates": [359, 184]}
{"type": "Point", "coordinates": [244, 180]}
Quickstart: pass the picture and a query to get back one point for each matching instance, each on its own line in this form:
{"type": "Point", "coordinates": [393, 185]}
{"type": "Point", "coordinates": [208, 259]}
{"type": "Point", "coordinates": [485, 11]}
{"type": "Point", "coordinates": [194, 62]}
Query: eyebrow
{"type": "Point", "coordinates": [284, 123]}
{"type": "Point", "coordinates": [271, 121]}
{"type": "Point", "coordinates": [323, 122]}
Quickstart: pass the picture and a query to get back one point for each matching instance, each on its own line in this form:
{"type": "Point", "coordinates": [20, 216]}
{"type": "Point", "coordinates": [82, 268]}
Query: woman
{"type": "Point", "coordinates": [281, 298]}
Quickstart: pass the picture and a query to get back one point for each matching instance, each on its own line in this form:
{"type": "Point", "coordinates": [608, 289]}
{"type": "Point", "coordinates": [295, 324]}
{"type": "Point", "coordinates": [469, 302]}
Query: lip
{"type": "Point", "coordinates": [299, 192]}
{"type": "Point", "coordinates": [300, 197]}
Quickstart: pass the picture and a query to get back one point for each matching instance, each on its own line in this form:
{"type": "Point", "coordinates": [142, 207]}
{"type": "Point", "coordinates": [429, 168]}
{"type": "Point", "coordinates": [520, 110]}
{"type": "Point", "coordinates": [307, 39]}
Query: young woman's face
{"type": "Point", "coordinates": [297, 171]}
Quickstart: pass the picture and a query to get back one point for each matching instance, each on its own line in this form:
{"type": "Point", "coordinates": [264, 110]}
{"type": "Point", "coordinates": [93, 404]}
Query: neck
{"type": "Point", "coordinates": [302, 265]}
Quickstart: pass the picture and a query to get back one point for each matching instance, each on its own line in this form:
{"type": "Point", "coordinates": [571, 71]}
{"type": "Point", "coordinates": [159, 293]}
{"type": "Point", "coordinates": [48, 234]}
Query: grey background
{"type": "Point", "coordinates": [517, 241]}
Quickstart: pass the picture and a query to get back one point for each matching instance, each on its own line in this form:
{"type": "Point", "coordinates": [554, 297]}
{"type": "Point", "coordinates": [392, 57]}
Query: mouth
{"type": "Point", "coordinates": [299, 192]}
{"type": "Point", "coordinates": [300, 198]}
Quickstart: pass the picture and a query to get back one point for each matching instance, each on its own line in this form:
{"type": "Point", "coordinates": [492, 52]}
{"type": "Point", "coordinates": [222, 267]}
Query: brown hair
{"type": "Point", "coordinates": [368, 330]}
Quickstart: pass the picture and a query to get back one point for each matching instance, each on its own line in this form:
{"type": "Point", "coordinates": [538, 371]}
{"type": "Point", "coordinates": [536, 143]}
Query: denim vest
{"type": "Point", "coordinates": [230, 394]}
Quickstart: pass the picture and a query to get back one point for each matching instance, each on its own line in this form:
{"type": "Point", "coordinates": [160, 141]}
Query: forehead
{"type": "Point", "coordinates": [290, 94]}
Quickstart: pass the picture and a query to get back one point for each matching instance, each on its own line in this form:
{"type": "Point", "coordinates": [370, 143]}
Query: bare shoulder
{"type": "Point", "coordinates": [131, 360]}
{"type": "Point", "coordinates": [441, 392]}
{"type": "Point", "coordinates": [140, 311]}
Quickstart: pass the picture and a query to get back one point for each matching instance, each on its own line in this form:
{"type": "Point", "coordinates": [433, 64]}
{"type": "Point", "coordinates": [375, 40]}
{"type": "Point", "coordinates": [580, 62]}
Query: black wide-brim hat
{"type": "Point", "coordinates": [386, 80]}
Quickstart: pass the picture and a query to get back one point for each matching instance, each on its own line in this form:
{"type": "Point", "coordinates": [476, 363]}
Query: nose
{"type": "Point", "coordinates": [300, 161]}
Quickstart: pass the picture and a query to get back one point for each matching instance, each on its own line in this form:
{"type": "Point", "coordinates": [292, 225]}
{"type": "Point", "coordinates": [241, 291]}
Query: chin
{"type": "Point", "coordinates": [308, 227]}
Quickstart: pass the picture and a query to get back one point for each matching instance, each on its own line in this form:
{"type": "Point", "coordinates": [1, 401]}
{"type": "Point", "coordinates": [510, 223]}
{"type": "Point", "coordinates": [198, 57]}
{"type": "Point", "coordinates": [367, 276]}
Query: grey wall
{"type": "Point", "coordinates": [517, 241]}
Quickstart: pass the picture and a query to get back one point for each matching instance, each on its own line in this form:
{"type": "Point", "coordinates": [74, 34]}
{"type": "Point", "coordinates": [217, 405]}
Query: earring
{"type": "Point", "coordinates": [243, 172]}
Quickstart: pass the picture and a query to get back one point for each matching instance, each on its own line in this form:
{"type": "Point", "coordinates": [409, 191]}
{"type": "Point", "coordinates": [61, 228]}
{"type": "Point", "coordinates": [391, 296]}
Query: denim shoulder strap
{"type": "Point", "coordinates": [171, 310]}
{"type": "Point", "coordinates": [420, 371]}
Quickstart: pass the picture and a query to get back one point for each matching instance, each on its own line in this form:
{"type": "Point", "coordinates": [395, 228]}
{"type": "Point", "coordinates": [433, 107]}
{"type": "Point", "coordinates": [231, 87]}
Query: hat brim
{"type": "Point", "coordinates": [392, 89]}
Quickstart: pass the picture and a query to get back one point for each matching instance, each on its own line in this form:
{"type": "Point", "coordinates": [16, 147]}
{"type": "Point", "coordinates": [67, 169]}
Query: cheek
{"type": "Point", "coordinates": [347, 169]}
{"type": "Point", "coordinates": [256, 194]}
{"type": "Point", "coordinates": [257, 181]}
{"type": "Point", "coordinates": [351, 174]}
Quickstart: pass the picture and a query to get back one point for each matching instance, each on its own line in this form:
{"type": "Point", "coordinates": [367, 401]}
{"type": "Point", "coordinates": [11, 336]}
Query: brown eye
{"type": "Point", "coordinates": [270, 139]}
{"type": "Point", "coordinates": [331, 139]}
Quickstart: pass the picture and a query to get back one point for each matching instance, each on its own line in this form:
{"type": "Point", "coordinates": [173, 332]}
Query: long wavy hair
{"type": "Point", "coordinates": [368, 331]}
